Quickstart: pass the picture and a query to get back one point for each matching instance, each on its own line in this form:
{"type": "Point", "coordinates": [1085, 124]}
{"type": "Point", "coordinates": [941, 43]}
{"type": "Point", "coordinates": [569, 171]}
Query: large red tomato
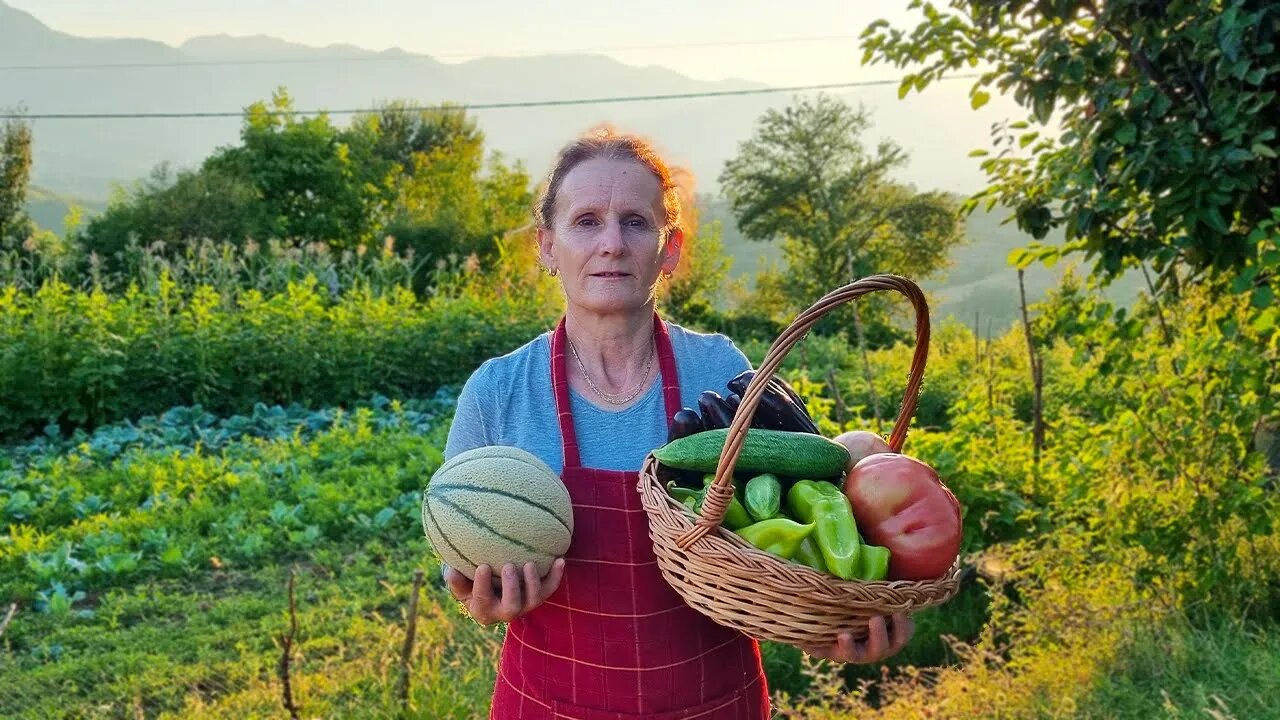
{"type": "Point", "coordinates": [900, 503]}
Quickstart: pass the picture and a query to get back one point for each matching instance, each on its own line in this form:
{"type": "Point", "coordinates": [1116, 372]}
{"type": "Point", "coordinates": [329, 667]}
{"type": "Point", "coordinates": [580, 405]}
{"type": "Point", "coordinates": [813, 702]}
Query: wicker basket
{"type": "Point", "coordinates": [762, 595]}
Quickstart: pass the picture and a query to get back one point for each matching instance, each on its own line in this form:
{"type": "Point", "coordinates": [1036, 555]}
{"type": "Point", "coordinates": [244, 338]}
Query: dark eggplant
{"type": "Point", "coordinates": [780, 408]}
{"type": "Point", "coordinates": [739, 385]}
{"type": "Point", "coordinates": [716, 412]}
{"type": "Point", "coordinates": [770, 415]}
{"type": "Point", "coordinates": [685, 422]}
{"type": "Point", "coordinates": [734, 401]}
{"type": "Point", "coordinates": [792, 416]}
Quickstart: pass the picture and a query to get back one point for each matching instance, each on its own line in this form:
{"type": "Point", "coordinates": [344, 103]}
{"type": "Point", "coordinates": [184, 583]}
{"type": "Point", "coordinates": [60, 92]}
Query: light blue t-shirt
{"type": "Point", "coordinates": [508, 400]}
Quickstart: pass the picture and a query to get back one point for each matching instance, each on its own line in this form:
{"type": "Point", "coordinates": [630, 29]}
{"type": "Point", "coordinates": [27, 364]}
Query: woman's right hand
{"type": "Point", "coordinates": [521, 592]}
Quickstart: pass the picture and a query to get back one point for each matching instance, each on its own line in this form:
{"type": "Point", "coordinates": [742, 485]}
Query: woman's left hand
{"type": "Point", "coordinates": [887, 636]}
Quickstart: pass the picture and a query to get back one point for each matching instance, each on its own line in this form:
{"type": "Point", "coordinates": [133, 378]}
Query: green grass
{"type": "Point", "coordinates": [1218, 669]}
{"type": "Point", "coordinates": [209, 645]}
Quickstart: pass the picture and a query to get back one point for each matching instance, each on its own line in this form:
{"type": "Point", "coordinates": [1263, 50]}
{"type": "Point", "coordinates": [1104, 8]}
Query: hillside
{"type": "Point", "coordinates": [87, 157]}
{"type": "Point", "coordinates": [978, 281]}
{"type": "Point", "coordinates": [49, 209]}
{"type": "Point", "coordinates": [129, 76]}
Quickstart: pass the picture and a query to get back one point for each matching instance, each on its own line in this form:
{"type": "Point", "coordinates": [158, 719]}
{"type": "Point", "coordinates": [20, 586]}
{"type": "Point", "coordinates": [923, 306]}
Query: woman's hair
{"type": "Point", "coordinates": [605, 142]}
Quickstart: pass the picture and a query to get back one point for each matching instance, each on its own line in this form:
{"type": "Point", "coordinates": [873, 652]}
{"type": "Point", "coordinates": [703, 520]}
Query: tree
{"type": "Point", "coordinates": [212, 203]}
{"type": "Point", "coordinates": [450, 201]}
{"type": "Point", "coordinates": [311, 186]}
{"type": "Point", "coordinates": [1169, 114]}
{"type": "Point", "coordinates": [400, 131]}
{"type": "Point", "coordinates": [691, 292]}
{"type": "Point", "coordinates": [15, 174]}
{"type": "Point", "coordinates": [805, 178]}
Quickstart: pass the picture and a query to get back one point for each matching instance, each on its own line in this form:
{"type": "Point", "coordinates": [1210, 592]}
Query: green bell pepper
{"type": "Point", "coordinates": [873, 562]}
{"type": "Point", "coordinates": [836, 531]}
{"type": "Point", "coordinates": [809, 554]}
{"type": "Point", "coordinates": [780, 536]}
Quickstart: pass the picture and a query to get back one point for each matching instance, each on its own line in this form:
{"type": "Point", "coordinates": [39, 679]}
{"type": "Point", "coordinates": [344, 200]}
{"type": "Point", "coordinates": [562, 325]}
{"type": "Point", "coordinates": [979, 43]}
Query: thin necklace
{"type": "Point", "coordinates": [617, 399]}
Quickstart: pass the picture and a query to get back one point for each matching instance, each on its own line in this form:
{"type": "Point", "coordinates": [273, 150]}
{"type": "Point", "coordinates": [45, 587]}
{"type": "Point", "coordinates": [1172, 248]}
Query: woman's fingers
{"type": "Point", "coordinates": [510, 604]}
{"type": "Point", "coordinates": [885, 637]}
{"type": "Point", "coordinates": [903, 628]}
{"type": "Point", "coordinates": [520, 590]}
{"type": "Point", "coordinates": [481, 603]}
{"type": "Point", "coordinates": [458, 584]}
{"type": "Point", "coordinates": [877, 642]}
{"type": "Point", "coordinates": [551, 582]}
{"type": "Point", "coordinates": [532, 588]}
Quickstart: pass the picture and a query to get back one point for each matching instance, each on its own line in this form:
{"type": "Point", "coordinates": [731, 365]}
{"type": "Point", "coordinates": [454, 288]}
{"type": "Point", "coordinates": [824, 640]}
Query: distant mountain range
{"type": "Point", "coordinates": [84, 159]}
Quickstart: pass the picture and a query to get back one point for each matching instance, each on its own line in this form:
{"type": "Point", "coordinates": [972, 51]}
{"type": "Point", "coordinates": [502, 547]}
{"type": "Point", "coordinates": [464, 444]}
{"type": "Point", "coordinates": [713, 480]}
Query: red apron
{"type": "Point", "coordinates": [615, 641]}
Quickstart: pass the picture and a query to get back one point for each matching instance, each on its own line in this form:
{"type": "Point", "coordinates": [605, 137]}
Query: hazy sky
{"type": "Point", "coordinates": [800, 42]}
{"type": "Point", "coordinates": [455, 27]}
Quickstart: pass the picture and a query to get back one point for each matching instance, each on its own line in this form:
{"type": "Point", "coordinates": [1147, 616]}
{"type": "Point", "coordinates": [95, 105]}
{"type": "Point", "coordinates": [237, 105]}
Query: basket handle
{"type": "Point", "coordinates": [717, 498]}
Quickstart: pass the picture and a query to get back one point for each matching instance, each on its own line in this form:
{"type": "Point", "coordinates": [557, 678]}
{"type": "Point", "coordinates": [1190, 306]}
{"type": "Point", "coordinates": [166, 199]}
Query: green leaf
{"type": "Point", "coordinates": [1020, 258]}
{"type": "Point", "coordinates": [1213, 218]}
{"type": "Point", "coordinates": [978, 153]}
{"type": "Point", "coordinates": [1238, 155]}
{"type": "Point", "coordinates": [1043, 109]}
{"type": "Point", "coordinates": [1027, 139]}
{"type": "Point", "coordinates": [978, 99]}
{"type": "Point", "coordinates": [1049, 255]}
{"type": "Point", "coordinates": [1244, 279]}
{"type": "Point", "coordinates": [1263, 150]}
{"type": "Point", "coordinates": [1263, 297]}
{"type": "Point", "coordinates": [1266, 320]}
{"type": "Point", "coordinates": [1127, 134]}
{"type": "Point", "coordinates": [172, 555]}
{"type": "Point", "coordinates": [905, 86]}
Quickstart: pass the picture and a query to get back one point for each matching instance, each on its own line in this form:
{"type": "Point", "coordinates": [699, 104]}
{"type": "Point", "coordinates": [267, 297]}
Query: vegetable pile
{"type": "Point", "coordinates": [847, 506]}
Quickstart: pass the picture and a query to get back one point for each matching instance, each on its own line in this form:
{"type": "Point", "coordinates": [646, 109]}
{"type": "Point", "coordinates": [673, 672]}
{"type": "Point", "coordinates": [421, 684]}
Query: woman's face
{"type": "Point", "coordinates": [605, 239]}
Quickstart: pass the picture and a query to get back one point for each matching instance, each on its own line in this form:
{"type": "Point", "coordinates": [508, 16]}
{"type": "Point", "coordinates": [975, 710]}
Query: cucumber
{"type": "Point", "coordinates": [795, 454]}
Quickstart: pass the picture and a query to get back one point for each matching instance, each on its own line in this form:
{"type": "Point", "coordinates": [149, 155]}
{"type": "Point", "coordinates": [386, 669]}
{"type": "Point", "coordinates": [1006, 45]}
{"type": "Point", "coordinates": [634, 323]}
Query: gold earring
{"type": "Point", "coordinates": [553, 272]}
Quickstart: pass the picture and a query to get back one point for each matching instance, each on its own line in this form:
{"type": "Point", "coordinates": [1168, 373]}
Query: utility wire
{"type": "Point", "coordinates": [385, 57]}
{"type": "Point", "coordinates": [464, 106]}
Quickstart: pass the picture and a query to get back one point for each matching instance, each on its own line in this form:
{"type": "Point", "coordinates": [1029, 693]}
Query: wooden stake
{"type": "Point", "coordinates": [286, 642]}
{"type": "Point", "coordinates": [406, 653]}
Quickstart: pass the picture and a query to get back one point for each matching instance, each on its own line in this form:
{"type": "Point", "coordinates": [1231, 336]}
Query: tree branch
{"type": "Point", "coordinates": [1151, 288]}
{"type": "Point", "coordinates": [1037, 377]}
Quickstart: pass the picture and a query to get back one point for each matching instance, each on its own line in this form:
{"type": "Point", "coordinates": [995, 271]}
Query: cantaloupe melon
{"type": "Point", "coordinates": [497, 505]}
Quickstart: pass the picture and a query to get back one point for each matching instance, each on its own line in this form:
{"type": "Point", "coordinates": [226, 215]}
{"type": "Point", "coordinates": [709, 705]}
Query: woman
{"type": "Point", "coordinates": [603, 635]}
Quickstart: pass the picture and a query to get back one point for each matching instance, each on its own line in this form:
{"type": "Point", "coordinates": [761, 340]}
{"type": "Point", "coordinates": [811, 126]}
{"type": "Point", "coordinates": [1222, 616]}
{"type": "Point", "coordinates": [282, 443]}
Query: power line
{"type": "Point", "coordinates": [462, 106]}
{"type": "Point", "coordinates": [412, 56]}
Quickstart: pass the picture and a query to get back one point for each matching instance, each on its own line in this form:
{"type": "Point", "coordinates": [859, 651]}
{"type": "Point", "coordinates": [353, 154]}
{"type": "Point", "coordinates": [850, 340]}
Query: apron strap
{"type": "Point", "coordinates": [560, 385]}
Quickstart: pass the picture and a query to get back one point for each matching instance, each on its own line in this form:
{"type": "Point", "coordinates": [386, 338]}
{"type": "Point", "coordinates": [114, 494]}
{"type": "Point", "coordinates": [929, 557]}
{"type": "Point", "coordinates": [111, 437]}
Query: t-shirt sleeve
{"type": "Point", "coordinates": [472, 424]}
{"type": "Point", "coordinates": [735, 360]}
